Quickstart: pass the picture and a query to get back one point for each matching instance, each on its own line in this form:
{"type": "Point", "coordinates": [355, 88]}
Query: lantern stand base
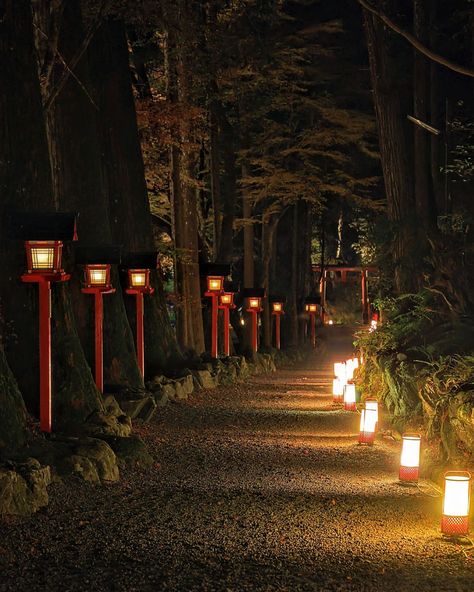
{"type": "Point", "coordinates": [99, 332]}
{"type": "Point", "coordinates": [409, 474]}
{"type": "Point", "coordinates": [455, 526]}
{"type": "Point", "coordinates": [140, 332]}
{"type": "Point", "coordinates": [44, 281]}
{"type": "Point", "coordinates": [366, 438]}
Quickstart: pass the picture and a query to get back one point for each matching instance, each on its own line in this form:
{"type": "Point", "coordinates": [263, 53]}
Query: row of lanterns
{"type": "Point", "coordinates": [222, 299]}
{"type": "Point", "coordinates": [457, 484]}
{"type": "Point", "coordinates": [44, 235]}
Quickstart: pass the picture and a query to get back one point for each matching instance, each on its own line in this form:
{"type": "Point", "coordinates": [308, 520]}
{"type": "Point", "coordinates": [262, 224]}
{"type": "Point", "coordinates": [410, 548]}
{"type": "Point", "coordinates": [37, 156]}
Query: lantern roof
{"type": "Point", "coordinates": [219, 269]}
{"type": "Point", "coordinates": [253, 292]}
{"type": "Point", "coordinates": [42, 226]}
{"type": "Point", "coordinates": [140, 260]}
{"type": "Point", "coordinates": [97, 254]}
{"type": "Point", "coordinates": [277, 298]}
{"type": "Point", "coordinates": [312, 300]}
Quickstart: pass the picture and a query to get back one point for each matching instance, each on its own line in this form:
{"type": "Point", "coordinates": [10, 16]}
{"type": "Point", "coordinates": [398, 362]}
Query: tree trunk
{"type": "Point", "coordinates": [268, 234]}
{"type": "Point", "coordinates": [229, 184]}
{"type": "Point", "coordinates": [79, 185]}
{"type": "Point", "coordinates": [425, 209]}
{"type": "Point", "coordinates": [190, 329]}
{"type": "Point", "coordinates": [129, 209]}
{"type": "Point", "coordinates": [293, 299]}
{"type": "Point", "coordinates": [27, 186]}
{"type": "Point", "coordinates": [388, 71]}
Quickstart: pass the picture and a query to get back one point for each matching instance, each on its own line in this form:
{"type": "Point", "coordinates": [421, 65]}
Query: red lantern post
{"type": "Point", "coordinates": [277, 312]}
{"type": "Point", "coordinates": [139, 284]}
{"type": "Point", "coordinates": [254, 306]}
{"type": "Point", "coordinates": [215, 286]}
{"type": "Point", "coordinates": [313, 309]}
{"type": "Point", "coordinates": [97, 280]}
{"type": "Point", "coordinates": [44, 267]}
{"type": "Point", "coordinates": [226, 303]}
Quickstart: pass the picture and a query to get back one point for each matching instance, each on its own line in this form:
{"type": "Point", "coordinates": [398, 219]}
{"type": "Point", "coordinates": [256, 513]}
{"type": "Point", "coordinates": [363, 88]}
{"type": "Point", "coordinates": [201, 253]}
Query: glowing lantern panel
{"type": "Point", "coordinates": [350, 397]}
{"type": "Point", "coordinates": [410, 458]}
{"type": "Point", "coordinates": [457, 486]}
{"type": "Point", "coordinates": [277, 307]}
{"type": "Point", "coordinates": [254, 302]}
{"type": "Point", "coordinates": [368, 421]}
{"type": "Point", "coordinates": [312, 308]}
{"type": "Point", "coordinates": [139, 279]}
{"type": "Point", "coordinates": [227, 299]}
{"type": "Point", "coordinates": [374, 405]}
{"type": "Point", "coordinates": [97, 276]}
{"type": "Point", "coordinates": [340, 370]}
{"type": "Point", "coordinates": [215, 283]}
{"type": "Point", "coordinates": [44, 256]}
{"type": "Point", "coordinates": [338, 390]}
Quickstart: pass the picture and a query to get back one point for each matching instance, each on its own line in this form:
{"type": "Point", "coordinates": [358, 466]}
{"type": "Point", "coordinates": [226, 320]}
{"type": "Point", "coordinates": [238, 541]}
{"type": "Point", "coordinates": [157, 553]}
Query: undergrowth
{"type": "Point", "coordinates": [420, 362]}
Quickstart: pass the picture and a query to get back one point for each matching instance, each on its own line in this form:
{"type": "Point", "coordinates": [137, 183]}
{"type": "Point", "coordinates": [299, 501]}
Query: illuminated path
{"type": "Point", "coordinates": [259, 487]}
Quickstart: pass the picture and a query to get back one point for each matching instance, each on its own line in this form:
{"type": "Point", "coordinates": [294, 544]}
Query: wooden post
{"type": "Point", "coordinates": [140, 334]}
{"type": "Point", "coordinates": [226, 331]}
{"type": "Point", "coordinates": [45, 354]}
{"type": "Point", "coordinates": [99, 340]}
{"type": "Point", "coordinates": [313, 329]}
{"type": "Point", "coordinates": [254, 314]}
{"type": "Point", "coordinates": [214, 325]}
{"type": "Point", "coordinates": [277, 331]}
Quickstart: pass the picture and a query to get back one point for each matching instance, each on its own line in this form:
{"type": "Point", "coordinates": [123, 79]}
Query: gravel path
{"type": "Point", "coordinates": [258, 487]}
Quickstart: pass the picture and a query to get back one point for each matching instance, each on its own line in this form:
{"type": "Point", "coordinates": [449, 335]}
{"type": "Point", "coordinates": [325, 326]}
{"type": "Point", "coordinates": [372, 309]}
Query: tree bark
{"type": "Point", "coordinates": [26, 185]}
{"type": "Point", "coordinates": [129, 209]}
{"type": "Point", "coordinates": [425, 209]}
{"type": "Point", "coordinates": [80, 185]}
{"type": "Point", "coordinates": [391, 107]}
{"type": "Point", "coordinates": [190, 329]}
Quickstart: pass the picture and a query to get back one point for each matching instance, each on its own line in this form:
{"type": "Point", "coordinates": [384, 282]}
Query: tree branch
{"type": "Point", "coordinates": [75, 60]}
{"type": "Point", "coordinates": [416, 44]}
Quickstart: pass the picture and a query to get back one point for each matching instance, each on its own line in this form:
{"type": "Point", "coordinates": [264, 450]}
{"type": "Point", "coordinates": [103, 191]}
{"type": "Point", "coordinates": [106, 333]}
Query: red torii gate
{"type": "Point", "coordinates": [364, 271]}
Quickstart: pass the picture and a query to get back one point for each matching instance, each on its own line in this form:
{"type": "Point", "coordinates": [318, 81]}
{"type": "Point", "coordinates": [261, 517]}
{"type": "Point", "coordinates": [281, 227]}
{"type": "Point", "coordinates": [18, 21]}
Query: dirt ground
{"type": "Point", "coordinates": [257, 487]}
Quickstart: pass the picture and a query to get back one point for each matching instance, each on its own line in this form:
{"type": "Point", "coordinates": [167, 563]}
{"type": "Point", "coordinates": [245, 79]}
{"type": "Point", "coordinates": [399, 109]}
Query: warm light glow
{"type": "Point", "coordinates": [226, 299]}
{"type": "Point", "coordinates": [97, 275]}
{"type": "Point", "coordinates": [349, 370]}
{"type": "Point", "coordinates": [410, 456]}
{"type": "Point", "coordinates": [340, 371]}
{"type": "Point", "coordinates": [368, 421]}
{"type": "Point", "coordinates": [337, 387]}
{"type": "Point", "coordinates": [350, 397]}
{"type": "Point", "coordinates": [277, 307]}
{"type": "Point", "coordinates": [254, 302]}
{"type": "Point", "coordinates": [456, 495]}
{"type": "Point", "coordinates": [215, 283]}
{"type": "Point", "coordinates": [373, 326]}
{"type": "Point", "coordinates": [312, 307]}
{"type": "Point", "coordinates": [330, 322]}
{"type": "Point", "coordinates": [457, 490]}
{"type": "Point", "coordinates": [242, 322]}
{"type": "Point", "coordinates": [373, 404]}
{"type": "Point", "coordinates": [42, 255]}
{"type": "Point", "coordinates": [138, 279]}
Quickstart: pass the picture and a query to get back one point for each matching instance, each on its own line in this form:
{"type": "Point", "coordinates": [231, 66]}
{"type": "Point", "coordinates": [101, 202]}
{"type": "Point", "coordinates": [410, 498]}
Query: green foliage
{"type": "Point", "coordinates": [420, 362]}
